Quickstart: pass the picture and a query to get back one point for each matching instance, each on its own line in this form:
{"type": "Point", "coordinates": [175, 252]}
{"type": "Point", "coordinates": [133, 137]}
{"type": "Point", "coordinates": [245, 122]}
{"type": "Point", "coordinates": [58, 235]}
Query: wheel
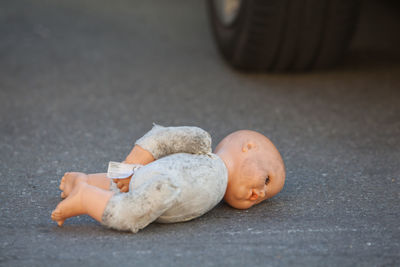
{"type": "Point", "coordinates": [283, 35]}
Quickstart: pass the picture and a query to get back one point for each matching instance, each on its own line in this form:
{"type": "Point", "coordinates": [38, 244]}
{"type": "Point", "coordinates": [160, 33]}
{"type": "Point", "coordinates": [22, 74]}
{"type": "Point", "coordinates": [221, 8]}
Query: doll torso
{"type": "Point", "coordinates": [185, 181]}
{"type": "Point", "coordinates": [202, 180]}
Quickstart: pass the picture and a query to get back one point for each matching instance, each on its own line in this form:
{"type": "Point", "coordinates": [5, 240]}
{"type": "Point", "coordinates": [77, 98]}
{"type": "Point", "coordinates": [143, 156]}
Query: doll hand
{"type": "Point", "coordinates": [123, 184]}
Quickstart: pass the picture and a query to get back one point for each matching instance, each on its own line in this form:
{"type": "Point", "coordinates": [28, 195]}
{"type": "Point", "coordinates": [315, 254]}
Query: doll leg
{"type": "Point", "coordinates": [83, 199]}
{"type": "Point", "coordinates": [137, 156]}
{"type": "Point", "coordinates": [131, 211]}
{"type": "Point", "coordinates": [136, 209]}
{"type": "Point", "coordinates": [70, 179]}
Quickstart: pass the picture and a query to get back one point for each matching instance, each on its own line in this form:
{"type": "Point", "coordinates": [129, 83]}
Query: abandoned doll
{"type": "Point", "coordinates": [180, 179]}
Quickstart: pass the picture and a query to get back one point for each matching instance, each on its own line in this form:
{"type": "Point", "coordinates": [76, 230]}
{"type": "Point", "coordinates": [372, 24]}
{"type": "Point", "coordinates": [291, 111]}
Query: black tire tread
{"type": "Point", "coordinates": [287, 34]}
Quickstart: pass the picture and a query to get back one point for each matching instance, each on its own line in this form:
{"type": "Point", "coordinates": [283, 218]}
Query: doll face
{"type": "Point", "coordinates": [248, 183]}
{"type": "Point", "coordinates": [255, 168]}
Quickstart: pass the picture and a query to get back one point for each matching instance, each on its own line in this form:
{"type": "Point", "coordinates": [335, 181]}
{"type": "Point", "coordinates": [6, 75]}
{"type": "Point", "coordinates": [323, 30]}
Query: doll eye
{"type": "Point", "coordinates": [267, 180]}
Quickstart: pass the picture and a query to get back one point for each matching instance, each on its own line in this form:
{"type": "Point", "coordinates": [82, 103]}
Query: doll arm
{"type": "Point", "coordinates": [137, 156]}
{"type": "Point", "coordinates": [162, 141]}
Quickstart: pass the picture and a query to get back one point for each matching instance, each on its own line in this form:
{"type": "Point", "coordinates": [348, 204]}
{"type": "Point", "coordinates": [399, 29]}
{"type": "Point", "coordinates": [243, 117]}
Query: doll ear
{"type": "Point", "coordinates": [248, 146]}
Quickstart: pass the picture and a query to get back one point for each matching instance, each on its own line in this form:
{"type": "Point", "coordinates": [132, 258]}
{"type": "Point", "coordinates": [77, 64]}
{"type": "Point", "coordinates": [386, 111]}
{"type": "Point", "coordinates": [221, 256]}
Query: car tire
{"type": "Point", "coordinates": [283, 35]}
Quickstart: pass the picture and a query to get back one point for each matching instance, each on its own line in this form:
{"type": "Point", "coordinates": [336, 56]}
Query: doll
{"type": "Point", "coordinates": [180, 179]}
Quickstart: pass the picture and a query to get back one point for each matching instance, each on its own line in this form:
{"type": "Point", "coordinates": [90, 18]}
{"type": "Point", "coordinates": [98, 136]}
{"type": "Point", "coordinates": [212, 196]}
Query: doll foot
{"type": "Point", "coordinates": [71, 206]}
{"type": "Point", "coordinates": [69, 180]}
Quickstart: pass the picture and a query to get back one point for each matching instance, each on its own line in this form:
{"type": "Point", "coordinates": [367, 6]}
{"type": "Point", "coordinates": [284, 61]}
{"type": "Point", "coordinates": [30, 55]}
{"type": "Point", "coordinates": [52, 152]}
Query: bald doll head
{"type": "Point", "coordinates": [255, 168]}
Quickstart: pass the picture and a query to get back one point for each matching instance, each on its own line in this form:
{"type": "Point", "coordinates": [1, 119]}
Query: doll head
{"type": "Point", "coordinates": [255, 168]}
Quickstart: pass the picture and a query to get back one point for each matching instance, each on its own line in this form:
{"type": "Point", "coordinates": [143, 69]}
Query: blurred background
{"type": "Point", "coordinates": [80, 81]}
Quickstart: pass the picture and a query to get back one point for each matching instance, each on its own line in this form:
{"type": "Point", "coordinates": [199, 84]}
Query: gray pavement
{"type": "Point", "coordinates": [81, 80]}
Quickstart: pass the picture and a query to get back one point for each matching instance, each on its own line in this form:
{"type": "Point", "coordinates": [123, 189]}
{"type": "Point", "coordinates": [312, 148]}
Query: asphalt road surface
{"type": "Point", "coordinates": [80, 81]}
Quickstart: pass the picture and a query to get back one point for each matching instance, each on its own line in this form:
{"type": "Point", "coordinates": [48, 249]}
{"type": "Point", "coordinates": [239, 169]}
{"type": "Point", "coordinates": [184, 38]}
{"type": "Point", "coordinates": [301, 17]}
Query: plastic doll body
{"type": "Point", "coordinates": [253, 167]}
